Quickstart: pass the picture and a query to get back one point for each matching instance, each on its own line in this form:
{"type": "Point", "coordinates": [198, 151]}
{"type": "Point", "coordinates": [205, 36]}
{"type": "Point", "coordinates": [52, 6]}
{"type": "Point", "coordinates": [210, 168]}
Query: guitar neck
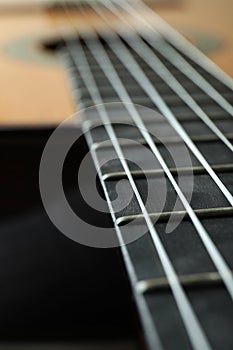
{"type": "Point", "coordinates": [158, 114]}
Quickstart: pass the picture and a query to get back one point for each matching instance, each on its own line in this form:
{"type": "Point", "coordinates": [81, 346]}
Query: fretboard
{"type": "Point", "coordinates": [181, 280]}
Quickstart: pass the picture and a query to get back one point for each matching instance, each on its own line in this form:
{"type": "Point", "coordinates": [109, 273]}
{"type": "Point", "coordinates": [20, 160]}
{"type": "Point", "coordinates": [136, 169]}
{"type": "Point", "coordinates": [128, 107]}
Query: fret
{"type": "Point", "coordinates": [197, 130]}
{"type": "Point", "coordinates": [188, 257]}
{"type": "Point", "coordinates": [225, 125]}
{"type": "Point", "coordinates": [179, 111]}
{"type": "Point", "coordinates": [188, 117]}
{"type": "Point", "coordinates": [175, 215]}
{"type": "Point", "coordinates": [169, 94]}
{"type": "Point", "coordinates": [192, 280]}
{"type": "Point", "coordinates": [156, 79]}
{"type": "Point", "coordinates": [124, 127]}
{"type": "Point", "coordinates": [169, 140]}
{"type": "Point", "coordinates": [182, 113]}
{"type": "Point", "coordinates": [188, 84]}
{"type": "Point", "coordinates": [135, 89]}
{"type": "Point", "coordinates": [216, 153]}
{"type": "Point", "coordinates": [192, 125]}
{"type": "Point", "coordinates": [171, 100]}
{"type": "Point", "coordinates": [139, 174]}
{"type": "Point", "coordinates": [215, 316]}
{"type": "Point", "coordinates": [183, 246]}
{"type": "Point", "coordinates": [205, 195]}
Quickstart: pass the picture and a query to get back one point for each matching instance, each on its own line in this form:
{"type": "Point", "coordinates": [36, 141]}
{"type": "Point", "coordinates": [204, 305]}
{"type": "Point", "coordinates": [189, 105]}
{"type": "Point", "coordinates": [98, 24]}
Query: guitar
{"type": "Point", "coordinates": [156, 114]}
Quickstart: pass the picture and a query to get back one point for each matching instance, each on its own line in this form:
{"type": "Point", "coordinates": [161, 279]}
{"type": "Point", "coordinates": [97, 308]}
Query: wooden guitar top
{"type": "Point", "coordinates": [34, 87]}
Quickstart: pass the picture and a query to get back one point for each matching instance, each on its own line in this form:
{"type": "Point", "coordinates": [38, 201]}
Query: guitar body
{"type": "Point", "coordinates": [34, 85]}
{"type": "Point", "coordinates": [57, 292]}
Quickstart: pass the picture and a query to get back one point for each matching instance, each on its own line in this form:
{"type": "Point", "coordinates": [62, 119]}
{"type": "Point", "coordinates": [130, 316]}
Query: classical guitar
{"type": "Point", "coordinates": [156, 114]}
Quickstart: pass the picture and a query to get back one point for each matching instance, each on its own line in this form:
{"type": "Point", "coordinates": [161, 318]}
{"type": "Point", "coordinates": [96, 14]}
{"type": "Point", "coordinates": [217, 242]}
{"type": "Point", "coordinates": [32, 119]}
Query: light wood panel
{"type": "Point", "coordinates": [37, 93]}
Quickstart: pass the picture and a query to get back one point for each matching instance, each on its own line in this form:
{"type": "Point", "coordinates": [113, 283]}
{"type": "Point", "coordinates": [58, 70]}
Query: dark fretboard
{"type": "Point", "coordinates": [200, 247]}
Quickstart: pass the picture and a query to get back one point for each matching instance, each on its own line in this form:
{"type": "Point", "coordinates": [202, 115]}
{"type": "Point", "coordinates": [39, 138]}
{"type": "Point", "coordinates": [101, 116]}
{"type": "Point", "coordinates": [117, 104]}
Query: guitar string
{"type": "Point", "coordinates": [153, 338]}
{"type": "Point", "coordinates": [103, 60]}
{"type": "Point", "coordinates": [161, 70]}
{"type": "Point", "coordinates": [185, 46]}
{"type": "Point", "coordinates": [149, 328]}
{"type": "Point", "coordinates": [130, 63]}
{"type": "Point", "coordinates": [177, 60]}
{"type": "Point", "coordinates": [193, 328]}
{"type": "Point", "coordinates": [197, 337]}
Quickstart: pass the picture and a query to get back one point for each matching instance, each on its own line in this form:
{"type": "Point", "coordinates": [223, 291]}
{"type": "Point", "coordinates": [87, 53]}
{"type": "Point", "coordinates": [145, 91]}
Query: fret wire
{"type": "Point", "coordinates": [165, 30]}
{"type": "Point", "coordinates": [223, 168]}
{"type": "Point", "coordinates": [159, 68]}
{"type": "Point", "coordinates": [173, 215]}
{"type": "Point", "coordinates": [174, 101]}
{"type": "Point", "coordinates": [163, 88]}
{"type": "Point", "coordinates": [161, 120]}
{"type": "Point", "coordinates": [103, 59]}
{"type": "Point", "coordinates": [196, 335]}
{"type": "Point", "coordinates": [129, 62]}
{"type": "Point", "coordinates": [149, 328]}
{"type": "Point", "coordinates": [192, 280]}
{"type": "Point", "coordinates": [168, 140]}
